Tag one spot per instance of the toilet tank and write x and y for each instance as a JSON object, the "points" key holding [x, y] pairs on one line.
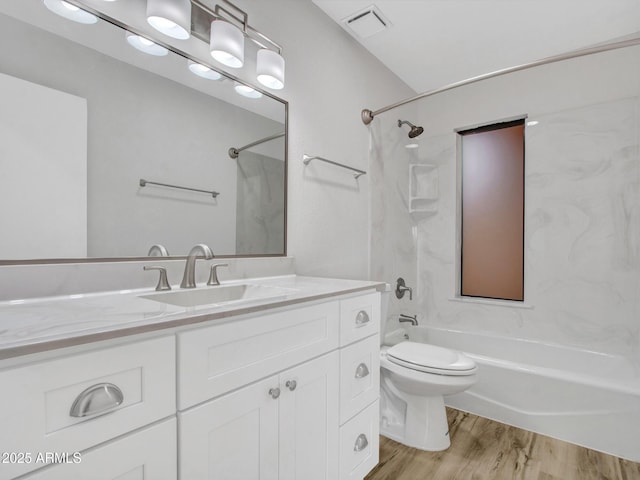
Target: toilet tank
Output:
{"points": [[384, 310]]}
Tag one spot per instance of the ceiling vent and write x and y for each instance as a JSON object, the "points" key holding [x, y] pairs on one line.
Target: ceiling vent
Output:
{"points": [[367, 22]]}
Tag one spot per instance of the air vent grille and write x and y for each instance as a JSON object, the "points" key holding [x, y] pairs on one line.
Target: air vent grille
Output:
{"points": [[367, 22]]}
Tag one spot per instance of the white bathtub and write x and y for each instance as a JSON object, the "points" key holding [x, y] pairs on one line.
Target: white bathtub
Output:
{"points": [[587, 398]]}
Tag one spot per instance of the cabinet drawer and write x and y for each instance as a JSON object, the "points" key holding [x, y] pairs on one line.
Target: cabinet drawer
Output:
{"points": [[220, 358], [359, 444], [359, 317], [37, 399], [359, 376], [148, 454]]}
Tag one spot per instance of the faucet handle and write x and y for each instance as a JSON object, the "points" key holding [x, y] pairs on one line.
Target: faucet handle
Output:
{"points": [[213, 276], [401, 288], [163, 283]]}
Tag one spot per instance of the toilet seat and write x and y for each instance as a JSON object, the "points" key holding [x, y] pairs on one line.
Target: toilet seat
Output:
{"points": [[430, 359]]}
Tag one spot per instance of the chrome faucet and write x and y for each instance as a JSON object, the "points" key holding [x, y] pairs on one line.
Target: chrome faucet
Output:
{"points": [[189, 277], [408, 318]]}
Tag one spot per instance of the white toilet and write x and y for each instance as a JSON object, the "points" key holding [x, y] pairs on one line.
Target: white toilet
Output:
{"points": [[413, 379]]}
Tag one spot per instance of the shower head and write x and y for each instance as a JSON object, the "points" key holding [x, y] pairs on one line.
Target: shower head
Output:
{"points": [[414, 132]]}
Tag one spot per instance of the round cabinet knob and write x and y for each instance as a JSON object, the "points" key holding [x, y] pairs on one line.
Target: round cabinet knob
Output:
{"points": [[291, 385], [361, 443], [274, 392], [362, 318], [362, 370]]}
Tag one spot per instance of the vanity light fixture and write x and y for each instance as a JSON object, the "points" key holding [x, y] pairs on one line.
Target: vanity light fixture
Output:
{"points": [[270, 69], [247, 91], [203, 71], [229, 28], [70, 12], [145, 45], [227, 43], [171, 17]]}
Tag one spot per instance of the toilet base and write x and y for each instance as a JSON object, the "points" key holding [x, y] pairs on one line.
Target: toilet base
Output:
{"points": [[416, 421]]}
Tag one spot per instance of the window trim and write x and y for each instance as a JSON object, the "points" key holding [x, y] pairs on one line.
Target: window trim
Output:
{"points": [[479, 128]]}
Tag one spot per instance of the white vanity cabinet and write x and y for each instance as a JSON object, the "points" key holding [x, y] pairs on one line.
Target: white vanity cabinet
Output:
{"points": [[285, 393], [267, 397]]}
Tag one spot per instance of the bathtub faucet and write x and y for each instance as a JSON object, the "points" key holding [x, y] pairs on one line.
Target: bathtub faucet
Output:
{"points": [[408, 318]]}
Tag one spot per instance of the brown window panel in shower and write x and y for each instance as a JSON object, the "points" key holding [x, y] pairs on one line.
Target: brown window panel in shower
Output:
{"points": [[492, 254]]}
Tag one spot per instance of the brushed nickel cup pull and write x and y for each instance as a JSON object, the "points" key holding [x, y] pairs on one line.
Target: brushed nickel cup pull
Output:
{"points": [[274, 392], [361, 443], [362, 318], [291, 385], [362, 371], [99, 398]]}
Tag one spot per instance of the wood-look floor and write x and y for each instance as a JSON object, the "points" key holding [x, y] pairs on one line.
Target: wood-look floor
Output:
{"points": [[482, 449]]}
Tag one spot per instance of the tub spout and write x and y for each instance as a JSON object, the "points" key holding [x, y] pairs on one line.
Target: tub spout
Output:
{"points": [[408, 318]]}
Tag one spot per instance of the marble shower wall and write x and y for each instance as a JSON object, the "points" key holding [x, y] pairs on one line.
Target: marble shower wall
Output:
{"points": [[394, 233], [582, 206]]}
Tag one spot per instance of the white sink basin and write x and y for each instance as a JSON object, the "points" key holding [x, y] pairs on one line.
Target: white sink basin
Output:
{"points": [[222, 294]]}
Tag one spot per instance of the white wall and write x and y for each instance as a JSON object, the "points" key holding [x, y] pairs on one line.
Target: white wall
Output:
{"points": [[582, 208]]}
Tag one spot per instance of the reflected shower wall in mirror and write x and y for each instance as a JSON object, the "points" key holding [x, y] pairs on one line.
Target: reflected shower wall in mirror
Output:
{"points": [[86, 127]]}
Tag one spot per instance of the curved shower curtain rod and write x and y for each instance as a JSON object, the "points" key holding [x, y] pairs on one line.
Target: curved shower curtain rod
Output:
{"points": [[368, 115], [234, 152]]}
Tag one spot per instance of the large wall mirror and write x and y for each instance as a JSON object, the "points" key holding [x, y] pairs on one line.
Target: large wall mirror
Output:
{"points": [[96, 139]]}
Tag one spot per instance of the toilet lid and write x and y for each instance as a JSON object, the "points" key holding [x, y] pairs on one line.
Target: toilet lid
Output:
{"points": [[431, 359]]}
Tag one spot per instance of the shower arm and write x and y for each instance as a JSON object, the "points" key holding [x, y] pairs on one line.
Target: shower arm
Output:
{"points": [[368, 115]]}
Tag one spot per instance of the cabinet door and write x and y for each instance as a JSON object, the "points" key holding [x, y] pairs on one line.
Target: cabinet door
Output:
{"points": [[148, 454], [234, 437], [309, 420]]}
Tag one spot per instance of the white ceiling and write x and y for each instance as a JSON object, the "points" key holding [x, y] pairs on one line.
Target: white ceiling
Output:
{"points": [[432, 43]]}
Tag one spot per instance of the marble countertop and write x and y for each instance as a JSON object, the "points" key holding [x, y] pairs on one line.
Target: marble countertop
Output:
{"points": [[41, 324]]}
